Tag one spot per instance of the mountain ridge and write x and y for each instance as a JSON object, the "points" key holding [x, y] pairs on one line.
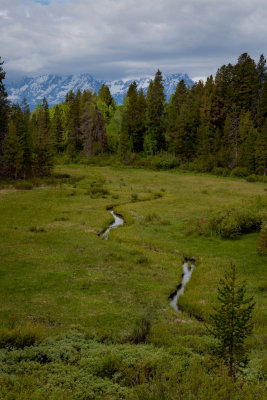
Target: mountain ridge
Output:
{"points": [[55, 87]]}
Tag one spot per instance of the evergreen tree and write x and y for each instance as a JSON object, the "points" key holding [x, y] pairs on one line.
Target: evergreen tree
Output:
{"points": [[4, 107], [246, 84], [231, 322], [247, 136], [13, 153], [43, 143], [93, 131], [155, 113], [262, 71], [57, 128], [73, 124], [261, 150]]}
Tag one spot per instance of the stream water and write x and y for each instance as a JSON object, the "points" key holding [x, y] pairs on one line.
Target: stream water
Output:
{"points": [[118, 221], [187, 272]]}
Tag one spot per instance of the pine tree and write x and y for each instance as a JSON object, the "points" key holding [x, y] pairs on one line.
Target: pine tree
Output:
{"points": [[4, 107], [261, 150], [57, 128], [73, 124], [93, 131], [13, 153], [231, 322], [262, 71], [43, 143], [247, 137], [155, 113]]}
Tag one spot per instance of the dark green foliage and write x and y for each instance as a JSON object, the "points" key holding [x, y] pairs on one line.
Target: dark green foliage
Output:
{"points": [[262, 246], [231, 322], [4, 107], [93, 130], [43, 153], [228, 223], [155, 99]]}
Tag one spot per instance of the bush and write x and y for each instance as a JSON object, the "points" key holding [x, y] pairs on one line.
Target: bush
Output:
{"points": [[142, 329], [262, 247], [228, 223], [252, 178], [233, 222], [134, 197], [23, 185], [20, 336], [239, 172], [37, 229], [97, 189], [220, 171]]}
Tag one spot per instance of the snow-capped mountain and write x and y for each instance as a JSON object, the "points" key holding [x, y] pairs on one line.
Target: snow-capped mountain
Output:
{"points": [[54, 87]]}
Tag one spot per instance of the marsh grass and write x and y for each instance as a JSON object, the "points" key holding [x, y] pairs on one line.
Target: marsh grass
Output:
{"points": [[68, 276]]}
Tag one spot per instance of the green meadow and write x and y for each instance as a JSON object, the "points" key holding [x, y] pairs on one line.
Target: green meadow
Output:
{"points": [[60, 281]]}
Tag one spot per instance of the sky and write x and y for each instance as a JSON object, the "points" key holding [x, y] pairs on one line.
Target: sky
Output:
{"points": [[113, 39]]}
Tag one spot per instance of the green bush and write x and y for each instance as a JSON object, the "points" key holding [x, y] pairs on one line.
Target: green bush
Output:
{"points": [[23, 185], [220, 171], [262, 246], [228, 223], [239, 172], [20, 336], [252, 178]]}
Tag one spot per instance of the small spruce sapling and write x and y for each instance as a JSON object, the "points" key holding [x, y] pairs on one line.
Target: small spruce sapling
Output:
{"points": [[231, 322]]}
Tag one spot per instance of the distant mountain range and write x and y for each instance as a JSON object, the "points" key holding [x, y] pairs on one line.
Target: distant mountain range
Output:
{"points": [[55, 87]]}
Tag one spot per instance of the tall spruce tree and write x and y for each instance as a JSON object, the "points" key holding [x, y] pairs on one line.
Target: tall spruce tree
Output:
{"points": [[43, 143], [155, 113], [261, 150], [4, 106], [231, 322], [13, 153]]}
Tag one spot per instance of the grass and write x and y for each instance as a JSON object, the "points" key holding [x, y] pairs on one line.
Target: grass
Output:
{"points": [[55, 272]]}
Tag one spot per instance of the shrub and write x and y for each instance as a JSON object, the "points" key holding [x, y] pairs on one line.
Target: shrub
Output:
{"points": [[142, 329], [152, 218], [134, 197], [220, 171], [23, 185], [252, 178], [97, 189], [37, 229], [233, 222], [262, 246], [228, 223], [20, 336], [239, 172]]}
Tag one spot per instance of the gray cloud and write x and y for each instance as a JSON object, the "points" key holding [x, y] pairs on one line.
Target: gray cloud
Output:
{"points": [[120, 38]]}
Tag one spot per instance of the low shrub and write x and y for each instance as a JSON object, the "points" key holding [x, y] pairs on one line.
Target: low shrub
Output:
{"points": [[228, 223], [37, 229], [23, 185], [20, 336], [134, 197], [252, 178], [262, 246], [152, 218], [239, 172], [97, 189], [142, 329], [220, 171]]}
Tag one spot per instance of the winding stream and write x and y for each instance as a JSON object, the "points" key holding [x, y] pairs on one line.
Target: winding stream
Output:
{"points": [[187, 268], [187, 272], [118, 221]]}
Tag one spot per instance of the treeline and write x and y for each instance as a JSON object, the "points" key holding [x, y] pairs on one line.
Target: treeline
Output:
{"points": [[220, 125]]}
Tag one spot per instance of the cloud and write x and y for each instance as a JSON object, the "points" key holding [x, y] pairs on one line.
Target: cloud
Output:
{"points": [[119, 38]]}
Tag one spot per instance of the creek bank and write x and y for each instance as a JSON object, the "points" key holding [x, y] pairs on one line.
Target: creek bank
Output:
{"points": [[186, 276], [118, 221]]}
